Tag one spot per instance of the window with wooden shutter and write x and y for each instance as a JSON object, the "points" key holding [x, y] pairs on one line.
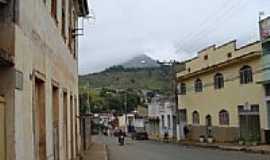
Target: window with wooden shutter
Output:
{"points": [[54, 10]]}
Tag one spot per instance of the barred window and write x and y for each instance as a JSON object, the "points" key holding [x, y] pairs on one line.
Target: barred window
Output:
{"points": [[224, 118], [198, 85], [246, 75], [219, 81], [195, 117]]}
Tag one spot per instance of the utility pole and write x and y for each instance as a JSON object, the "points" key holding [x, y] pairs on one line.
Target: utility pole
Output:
{"points": [[126, 112]]}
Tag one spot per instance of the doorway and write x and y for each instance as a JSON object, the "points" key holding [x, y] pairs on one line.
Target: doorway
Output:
{"points": [[65, 125], [267, 132], [40, 120], [182, 123], [249, 122], [2, 129], [71, 127], [208, 123], [55, 104]]}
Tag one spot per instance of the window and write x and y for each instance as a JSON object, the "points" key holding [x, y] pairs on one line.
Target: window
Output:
{"points": [[169, 121], [206, 57], [229, 55], [218, 81], [162, 121], [195, 117], [198, 85], [267, 90], [54, 9], [246, 75], [182, 88], [224, 118], [64, 19]]}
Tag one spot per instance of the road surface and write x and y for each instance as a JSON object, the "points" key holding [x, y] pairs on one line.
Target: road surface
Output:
{"points": [[149, 150]]}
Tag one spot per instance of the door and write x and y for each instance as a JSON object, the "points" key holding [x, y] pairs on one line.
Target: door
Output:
{"points": [[268, 113], [2, 129], [40, 120], [267, 132], [71, 127], [65, 124], [55, 104], [208, 121], [249, 121], [182, 123]]}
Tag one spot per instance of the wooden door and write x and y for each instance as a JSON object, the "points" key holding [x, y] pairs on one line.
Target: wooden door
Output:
{"points": [[55, 104], [72, 127], [2, 130], [40, 120], [65, 120]]}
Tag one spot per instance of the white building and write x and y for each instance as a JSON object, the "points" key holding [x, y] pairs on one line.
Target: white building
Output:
{"points": [[161, 117]]}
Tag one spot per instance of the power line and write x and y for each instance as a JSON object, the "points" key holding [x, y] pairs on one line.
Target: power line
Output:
{"points": [[222, 16]]}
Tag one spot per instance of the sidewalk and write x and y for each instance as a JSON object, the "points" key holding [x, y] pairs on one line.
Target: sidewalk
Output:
{"points": [[96, 152], [262, 149]]}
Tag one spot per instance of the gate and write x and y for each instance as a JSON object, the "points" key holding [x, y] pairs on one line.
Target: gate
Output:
{"points": [[2, 129], [249, 120]]}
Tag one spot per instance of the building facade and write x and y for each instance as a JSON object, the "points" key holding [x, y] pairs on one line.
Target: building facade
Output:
{"points": [[39, 79], [221, 95], [161, 117]]}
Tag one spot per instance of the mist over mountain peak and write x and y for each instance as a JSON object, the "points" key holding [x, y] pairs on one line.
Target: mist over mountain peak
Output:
{"points": [[140, 61]]}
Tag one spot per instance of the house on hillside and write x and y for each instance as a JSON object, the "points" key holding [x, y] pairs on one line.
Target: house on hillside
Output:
{"points": [[39, 79]]}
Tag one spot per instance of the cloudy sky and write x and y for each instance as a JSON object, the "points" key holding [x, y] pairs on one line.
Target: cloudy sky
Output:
{"points": [[164, 29]]}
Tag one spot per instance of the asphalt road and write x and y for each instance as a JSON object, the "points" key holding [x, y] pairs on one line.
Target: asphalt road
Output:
{"points": [[149, 150]]}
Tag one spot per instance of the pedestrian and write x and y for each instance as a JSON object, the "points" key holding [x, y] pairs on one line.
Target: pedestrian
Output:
{"points": [[186, 131]]}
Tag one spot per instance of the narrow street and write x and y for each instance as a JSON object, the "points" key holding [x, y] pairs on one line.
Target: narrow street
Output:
{"points": [[149, 150]]}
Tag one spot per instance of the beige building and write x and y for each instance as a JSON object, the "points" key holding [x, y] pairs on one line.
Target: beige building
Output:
{"points": [[221, 95], [39, 79]]}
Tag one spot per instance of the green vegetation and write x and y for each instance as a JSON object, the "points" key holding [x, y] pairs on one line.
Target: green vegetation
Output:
{"points": [[118, 77], [118, 87], [108, 100]]}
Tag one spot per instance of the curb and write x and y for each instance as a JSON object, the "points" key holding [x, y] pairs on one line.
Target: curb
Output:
{"points": [[220, 147], [106, 152]]}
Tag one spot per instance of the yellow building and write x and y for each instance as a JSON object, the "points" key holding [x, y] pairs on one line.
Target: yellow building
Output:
{"points": [[220, 94]]}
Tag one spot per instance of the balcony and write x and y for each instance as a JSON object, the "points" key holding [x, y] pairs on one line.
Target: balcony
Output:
{"points": [[5, 59]]}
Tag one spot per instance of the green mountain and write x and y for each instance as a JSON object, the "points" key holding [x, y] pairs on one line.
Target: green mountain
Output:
{"points": [[119, 77]]}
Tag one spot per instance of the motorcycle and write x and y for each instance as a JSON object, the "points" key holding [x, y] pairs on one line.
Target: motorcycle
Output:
{"points": [[121, 140]]}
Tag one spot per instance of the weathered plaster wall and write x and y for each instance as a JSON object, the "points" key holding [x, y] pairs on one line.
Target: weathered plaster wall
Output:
{"points": [[39, 47]]}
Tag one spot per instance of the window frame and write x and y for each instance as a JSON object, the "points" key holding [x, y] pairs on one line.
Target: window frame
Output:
{"points": [[218, 81], [182, 88], [224, 117], [198, 85], [195, 118], [54, 10], [246, 75]]}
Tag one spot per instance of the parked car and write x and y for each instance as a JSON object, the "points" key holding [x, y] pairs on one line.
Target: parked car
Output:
{"points": [[139, 136]]}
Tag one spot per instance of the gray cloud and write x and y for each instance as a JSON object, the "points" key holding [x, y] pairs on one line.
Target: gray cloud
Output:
{"points": [[164, 29]]}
